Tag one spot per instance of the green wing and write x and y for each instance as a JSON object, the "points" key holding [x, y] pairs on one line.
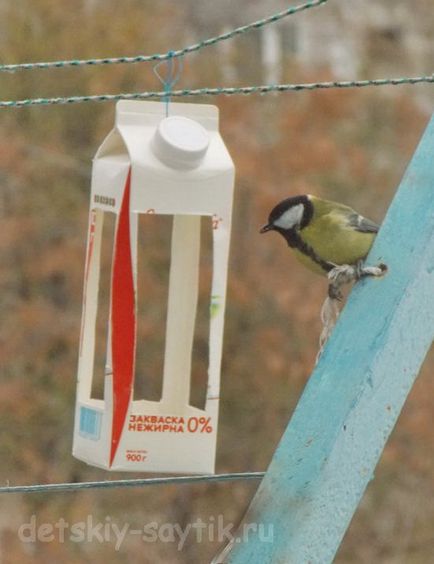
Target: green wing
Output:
{"points": [[346, 217], [360, 223], [350, 218]]}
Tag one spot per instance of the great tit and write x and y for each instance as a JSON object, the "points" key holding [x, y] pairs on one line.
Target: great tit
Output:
{"points": [[323, 234]]}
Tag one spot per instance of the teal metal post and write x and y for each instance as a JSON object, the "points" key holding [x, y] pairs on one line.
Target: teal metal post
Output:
{"points": [[349, 407]]}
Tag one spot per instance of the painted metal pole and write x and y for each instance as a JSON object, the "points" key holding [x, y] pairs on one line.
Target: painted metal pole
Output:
{"points": [[350, 405]]}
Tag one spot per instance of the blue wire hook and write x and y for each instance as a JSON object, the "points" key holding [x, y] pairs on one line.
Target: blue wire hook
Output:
{"points": [[171, 77]]}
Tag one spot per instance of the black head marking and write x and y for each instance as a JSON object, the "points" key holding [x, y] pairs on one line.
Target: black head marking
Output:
{"points": [[288, 203], [292, 235]]}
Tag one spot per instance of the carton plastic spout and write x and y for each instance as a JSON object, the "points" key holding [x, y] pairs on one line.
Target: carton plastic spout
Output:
{"points": [[180, 142]]}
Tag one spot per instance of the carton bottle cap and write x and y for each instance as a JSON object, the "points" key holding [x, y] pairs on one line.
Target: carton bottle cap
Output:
{"points": [[180, 142]]}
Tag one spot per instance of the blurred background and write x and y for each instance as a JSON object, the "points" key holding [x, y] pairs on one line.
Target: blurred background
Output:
{"points": [[350, 145]]}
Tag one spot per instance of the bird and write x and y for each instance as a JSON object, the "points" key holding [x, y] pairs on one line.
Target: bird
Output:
{"points": [[323, 234]]}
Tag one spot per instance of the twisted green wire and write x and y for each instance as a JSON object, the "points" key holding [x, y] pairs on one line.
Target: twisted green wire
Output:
{"points": [[246, 90], [164, 56]]}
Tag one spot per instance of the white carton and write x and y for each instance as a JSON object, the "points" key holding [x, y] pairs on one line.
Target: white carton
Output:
{"points": [[175, 165]]}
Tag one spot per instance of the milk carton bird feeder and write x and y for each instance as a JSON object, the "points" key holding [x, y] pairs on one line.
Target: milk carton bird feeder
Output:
{"points": [[179, 166]]}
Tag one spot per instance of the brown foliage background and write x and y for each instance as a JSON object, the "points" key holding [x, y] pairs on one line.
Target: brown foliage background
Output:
{"points": [[351, 146]]}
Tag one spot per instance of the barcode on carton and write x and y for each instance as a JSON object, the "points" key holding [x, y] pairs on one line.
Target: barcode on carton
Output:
{"points": [[90, 423]]}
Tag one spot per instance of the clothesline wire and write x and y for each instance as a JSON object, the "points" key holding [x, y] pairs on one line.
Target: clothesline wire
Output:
{"points": [[140, 482], [227, 91], [169, 54]]}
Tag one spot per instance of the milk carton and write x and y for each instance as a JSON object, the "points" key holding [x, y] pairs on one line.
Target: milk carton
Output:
{"points": [[176, 165]]}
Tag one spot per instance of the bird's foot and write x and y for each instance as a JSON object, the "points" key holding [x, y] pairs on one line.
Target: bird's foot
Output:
{"points": [[346, 273], [362, 271], [338, 277]]}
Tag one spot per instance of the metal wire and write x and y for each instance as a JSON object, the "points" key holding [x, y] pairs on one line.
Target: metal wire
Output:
{"points": [[164, 56], [246, 90], [141, 482]]}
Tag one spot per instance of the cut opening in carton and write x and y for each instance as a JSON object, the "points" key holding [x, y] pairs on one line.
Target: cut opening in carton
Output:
{"points": [[200, 355], [153, 264], [153, 268], [102, 319]]}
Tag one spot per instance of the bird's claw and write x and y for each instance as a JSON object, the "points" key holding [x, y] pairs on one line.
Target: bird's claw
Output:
{"points": [[363, 271]]}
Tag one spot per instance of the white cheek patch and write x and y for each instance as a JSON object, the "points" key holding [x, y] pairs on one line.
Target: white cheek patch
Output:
{"points": [[291, 218]]}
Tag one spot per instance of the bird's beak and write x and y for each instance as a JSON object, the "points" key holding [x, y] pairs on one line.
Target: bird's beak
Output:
{"points": [[267, 227]]}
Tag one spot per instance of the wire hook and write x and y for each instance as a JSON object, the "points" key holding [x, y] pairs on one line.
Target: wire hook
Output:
{"points": [[172, 76]]}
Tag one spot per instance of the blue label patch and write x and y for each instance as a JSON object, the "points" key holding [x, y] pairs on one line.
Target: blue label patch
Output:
{"points": [[90, 423]]}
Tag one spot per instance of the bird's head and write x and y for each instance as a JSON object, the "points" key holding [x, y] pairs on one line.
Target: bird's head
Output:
{"points": [[290, 215]]}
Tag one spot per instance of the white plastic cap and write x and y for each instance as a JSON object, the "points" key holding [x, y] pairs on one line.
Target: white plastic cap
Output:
{"points": [[180, 142]]}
